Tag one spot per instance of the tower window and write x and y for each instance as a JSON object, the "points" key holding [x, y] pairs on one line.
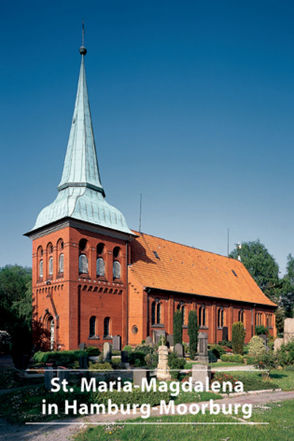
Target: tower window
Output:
{"points": [[60, 263], [116, 252], [41, 269], [100, 267], [82, 244], [83, 264], [92, 326], [50, 269], [100, 248], [107, 327], [116, 270]]}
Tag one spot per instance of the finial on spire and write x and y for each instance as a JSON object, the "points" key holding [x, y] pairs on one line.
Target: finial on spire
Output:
{"points": [[83, 50]]}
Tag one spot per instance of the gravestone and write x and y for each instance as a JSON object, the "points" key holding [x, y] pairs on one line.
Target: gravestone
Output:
{"points": [[107, 351], [202, 348], [82, 346], [63, 373], [124, 360], [288, 330], [83, 361], [179, 350], [170, 340], [200, 372], [149, 340], [162, 371], [264, 338], [225, 333], [138, 375], [277, 344], [48, 375], [116, 343], [157, 334]]}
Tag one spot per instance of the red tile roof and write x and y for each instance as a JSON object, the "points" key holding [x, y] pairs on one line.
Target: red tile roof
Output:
{"points": [[162, 264]]}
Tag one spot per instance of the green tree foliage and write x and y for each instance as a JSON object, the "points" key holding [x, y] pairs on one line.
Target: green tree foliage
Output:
{"points": [[287, 288], [16, 309], [262, 267], [238, 337], [193, 333], [178, 327]]}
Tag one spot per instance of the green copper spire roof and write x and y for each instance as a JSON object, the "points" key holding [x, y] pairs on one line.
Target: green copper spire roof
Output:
{"points": [[80, 192]]}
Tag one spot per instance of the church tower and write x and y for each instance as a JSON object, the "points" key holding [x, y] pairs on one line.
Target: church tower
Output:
{"points": [[80, 247]]}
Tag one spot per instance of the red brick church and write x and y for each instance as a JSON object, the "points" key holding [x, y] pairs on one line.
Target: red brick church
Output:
{"points": [[94, 278]]}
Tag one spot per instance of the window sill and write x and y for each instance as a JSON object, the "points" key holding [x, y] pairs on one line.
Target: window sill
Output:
{"points": [[59, 276], [203, 327], [107, 337], [94, 337], [159, 325], [185, 327]]}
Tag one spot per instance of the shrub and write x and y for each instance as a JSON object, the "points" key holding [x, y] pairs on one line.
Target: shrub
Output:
{"points": [[100, 366], [175, 362], [193, 333], [92, 351], [233, 358], [128, 348], [225, 343], [178, 327], [238, 337], [222, 376], [137, 358], [151, 360], [59, 358], [261, 330], [211, 357], [250, 360], [286, 354], [218, 350], [256, 346], [145, 349], [267, 361]]}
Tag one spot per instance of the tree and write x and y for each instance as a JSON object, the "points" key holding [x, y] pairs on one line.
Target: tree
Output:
{"points": [[193, 333], [287, 288], [238, 337], [262, 267], [178, 327]]}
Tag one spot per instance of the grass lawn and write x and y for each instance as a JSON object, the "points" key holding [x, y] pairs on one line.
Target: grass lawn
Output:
{"points": [[279, 416], [283, 379]]}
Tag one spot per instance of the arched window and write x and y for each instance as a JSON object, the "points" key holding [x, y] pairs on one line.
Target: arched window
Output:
{"points": [[60, 263], [202, 316], [158, 313], [41, 269], [116, 270], [60, 244], [83, 244], [107, 327], [220, 318], [153, 310], [241, 316], [83, 264], [116, 252], [50, 268], [100, 267], [92, 326], [100, 248]]}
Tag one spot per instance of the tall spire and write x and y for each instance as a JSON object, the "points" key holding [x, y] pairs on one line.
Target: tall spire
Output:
{"points": [[80, 165], [80, 192]]}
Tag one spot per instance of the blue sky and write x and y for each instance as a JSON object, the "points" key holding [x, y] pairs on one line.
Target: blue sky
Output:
{"points": [[192, 105]]}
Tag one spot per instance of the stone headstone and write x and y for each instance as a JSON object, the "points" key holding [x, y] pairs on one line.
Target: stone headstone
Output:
{"points": [[157, 334], [203, 348], [138, 375], [288, 330], [107, 351], [149, 340], [179, 350], [124, 360], [170, 340], [277, 344], [200, 372], [116, 343], [82, 346], [83, 361], [264, 338], [162, 371], [225, 333], [48, 375], [62, 373]]}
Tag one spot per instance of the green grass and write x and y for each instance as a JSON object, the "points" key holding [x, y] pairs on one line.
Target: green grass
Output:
{"points": [[283, 379], [279, 416], [225, 364]]}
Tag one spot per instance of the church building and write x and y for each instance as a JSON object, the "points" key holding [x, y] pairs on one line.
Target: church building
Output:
{"points": [[93, 278]]}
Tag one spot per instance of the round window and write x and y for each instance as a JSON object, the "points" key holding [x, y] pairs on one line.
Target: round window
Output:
{"points": [[134, 329]]}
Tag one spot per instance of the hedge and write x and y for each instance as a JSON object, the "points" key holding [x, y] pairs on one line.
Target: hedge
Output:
{"points": [[233, 358], [59, 358]]}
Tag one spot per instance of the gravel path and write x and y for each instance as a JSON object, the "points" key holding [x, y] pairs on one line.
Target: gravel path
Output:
{"points": [[9, 432]]}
